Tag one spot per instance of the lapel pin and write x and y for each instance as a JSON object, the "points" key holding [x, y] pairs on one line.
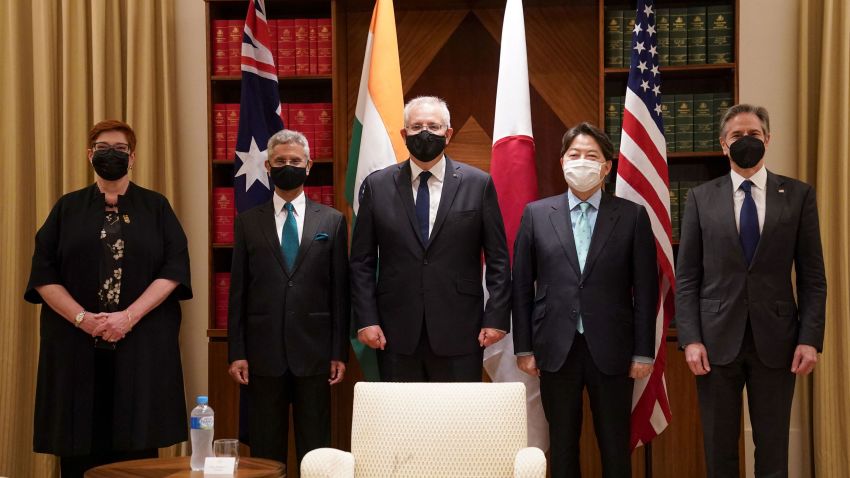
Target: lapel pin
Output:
{"points": [[126, 219], [781, 191], [454, 175]]}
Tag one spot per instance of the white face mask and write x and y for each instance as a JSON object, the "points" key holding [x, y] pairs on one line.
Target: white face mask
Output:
{"points": [[582, 175]]}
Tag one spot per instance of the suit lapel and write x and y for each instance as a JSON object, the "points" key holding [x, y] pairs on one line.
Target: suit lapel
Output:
{"points": [[606, 219], [725, 200], [312, 219], [774, 206], [451, 183], [269, 228], [561, 223], [405, 191]]}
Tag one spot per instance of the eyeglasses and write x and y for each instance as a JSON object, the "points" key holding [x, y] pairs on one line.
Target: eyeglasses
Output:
{"points": [[120, 147], [432, 127], [278, 163]]}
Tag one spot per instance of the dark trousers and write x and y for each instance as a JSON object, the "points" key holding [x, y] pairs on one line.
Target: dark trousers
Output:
{"points": [[425, 366], [770, 392], [268, 424], [102, 452], [610, 402]]}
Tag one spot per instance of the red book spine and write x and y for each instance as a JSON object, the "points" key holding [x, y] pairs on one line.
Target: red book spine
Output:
{"points": [[286, 48], [312, 111], [314, 46], [232, 129], [234, 47], [220, 131], [314, 193], [302, 47], [324, 130], [298, 119], [220, 48], [273, 24], [224, 211], [222, 293], [325, 46], [328, 196]]}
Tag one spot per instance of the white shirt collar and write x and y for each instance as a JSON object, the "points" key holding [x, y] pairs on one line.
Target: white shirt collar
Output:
{"points": [[438, 170], [759, 179], [594, 199], [300, 203]]}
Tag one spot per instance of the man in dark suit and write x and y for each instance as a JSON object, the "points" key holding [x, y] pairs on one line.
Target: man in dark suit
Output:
{"points": [[429, 219], [735, 311], [289, 307], [585, 291]]}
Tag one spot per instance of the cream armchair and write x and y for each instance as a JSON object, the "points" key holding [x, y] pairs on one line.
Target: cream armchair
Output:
{"points": [[433, 430]]}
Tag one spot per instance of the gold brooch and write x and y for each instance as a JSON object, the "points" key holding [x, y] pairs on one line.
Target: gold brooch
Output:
{"points": [[126, 219]]}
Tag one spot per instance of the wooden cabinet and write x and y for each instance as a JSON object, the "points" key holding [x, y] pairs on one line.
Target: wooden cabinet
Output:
{"points": [[450, 48]]}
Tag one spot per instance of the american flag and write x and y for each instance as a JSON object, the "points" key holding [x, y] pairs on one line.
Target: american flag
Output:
{"points": [[259, 111], [642, 177]]}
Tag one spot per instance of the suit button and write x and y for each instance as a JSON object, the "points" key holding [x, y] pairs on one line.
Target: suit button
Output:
{"points": [[574, 312], [425, 262], [291, 284], [581, 286]]}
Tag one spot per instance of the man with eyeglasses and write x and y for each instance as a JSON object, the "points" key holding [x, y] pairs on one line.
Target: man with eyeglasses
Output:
{"points": [[288, 318], [416, 253]]}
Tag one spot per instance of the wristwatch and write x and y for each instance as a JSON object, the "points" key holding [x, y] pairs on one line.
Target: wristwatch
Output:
{"points": [[79, 318]]}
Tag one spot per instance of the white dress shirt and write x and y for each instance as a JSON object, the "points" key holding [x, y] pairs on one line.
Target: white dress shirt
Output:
{"points": [[435, 187], [299, 203], [758, 191]]}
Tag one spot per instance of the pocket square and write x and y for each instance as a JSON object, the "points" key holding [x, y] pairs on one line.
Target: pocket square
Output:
{"points": [[320, 236]]}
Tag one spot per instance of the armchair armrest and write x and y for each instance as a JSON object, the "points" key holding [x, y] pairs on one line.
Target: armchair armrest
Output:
{"points": [[529, 463], [329, 463]]}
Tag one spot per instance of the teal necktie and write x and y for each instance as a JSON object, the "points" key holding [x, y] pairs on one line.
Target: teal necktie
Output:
{"points": [[582, 237], [289, 237]]}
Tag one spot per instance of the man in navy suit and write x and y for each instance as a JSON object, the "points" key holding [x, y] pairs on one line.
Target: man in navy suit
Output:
{"points": [[416, 271], [289, 312], [736, 316], [585, 291]]}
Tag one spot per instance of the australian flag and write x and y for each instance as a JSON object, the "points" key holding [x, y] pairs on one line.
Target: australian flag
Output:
{"points": [[259, 111]]}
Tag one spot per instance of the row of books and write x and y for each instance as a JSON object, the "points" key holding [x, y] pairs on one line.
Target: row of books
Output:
{"points": [[300, 46], [224, 209], [678, 198], [221, 293], [314, 120], [691, 121], [686, 36]]}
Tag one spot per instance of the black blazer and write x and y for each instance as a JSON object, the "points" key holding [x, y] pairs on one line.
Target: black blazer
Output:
{"points": [[438, 282], [616, 294], [297, 321], [149, 409], [717, 290]]}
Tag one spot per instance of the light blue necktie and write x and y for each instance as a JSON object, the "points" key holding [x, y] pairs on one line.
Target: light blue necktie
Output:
{"points": [[582, 237], [289, 237]]}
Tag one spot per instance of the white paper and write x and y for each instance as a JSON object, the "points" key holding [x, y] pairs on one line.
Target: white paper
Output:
{"points": [[219, 466]]}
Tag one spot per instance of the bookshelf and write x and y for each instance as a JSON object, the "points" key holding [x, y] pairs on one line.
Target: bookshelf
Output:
{"points": [[300, 88]]}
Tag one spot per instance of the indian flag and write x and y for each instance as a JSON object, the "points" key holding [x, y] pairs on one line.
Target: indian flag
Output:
{"points": [[375, 137], [376, 133]]}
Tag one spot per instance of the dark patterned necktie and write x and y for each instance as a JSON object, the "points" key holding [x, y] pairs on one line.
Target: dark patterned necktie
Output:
{"points": [[423, 205], [749, 223]]}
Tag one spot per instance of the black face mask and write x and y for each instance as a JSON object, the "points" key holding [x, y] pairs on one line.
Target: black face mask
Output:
{"points": [[425, 146], [288, 177], [747, 151], [110, 164]]}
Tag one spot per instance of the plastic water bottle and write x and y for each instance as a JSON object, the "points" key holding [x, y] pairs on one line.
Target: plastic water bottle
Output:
{"points": [[201, 433]]}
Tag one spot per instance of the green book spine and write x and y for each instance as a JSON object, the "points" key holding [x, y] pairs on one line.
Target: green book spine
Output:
{"points": [[674, 209], [662, 29], [704, 122], [696, 35], [613, 119], [668, 108], [722, 102], [613, 38], [628, 27], [684, 123], [684, 187], [719, 23], [678, 52]]}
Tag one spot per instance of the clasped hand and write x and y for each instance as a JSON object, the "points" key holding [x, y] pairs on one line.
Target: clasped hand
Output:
{"points": [[110, 326]]}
